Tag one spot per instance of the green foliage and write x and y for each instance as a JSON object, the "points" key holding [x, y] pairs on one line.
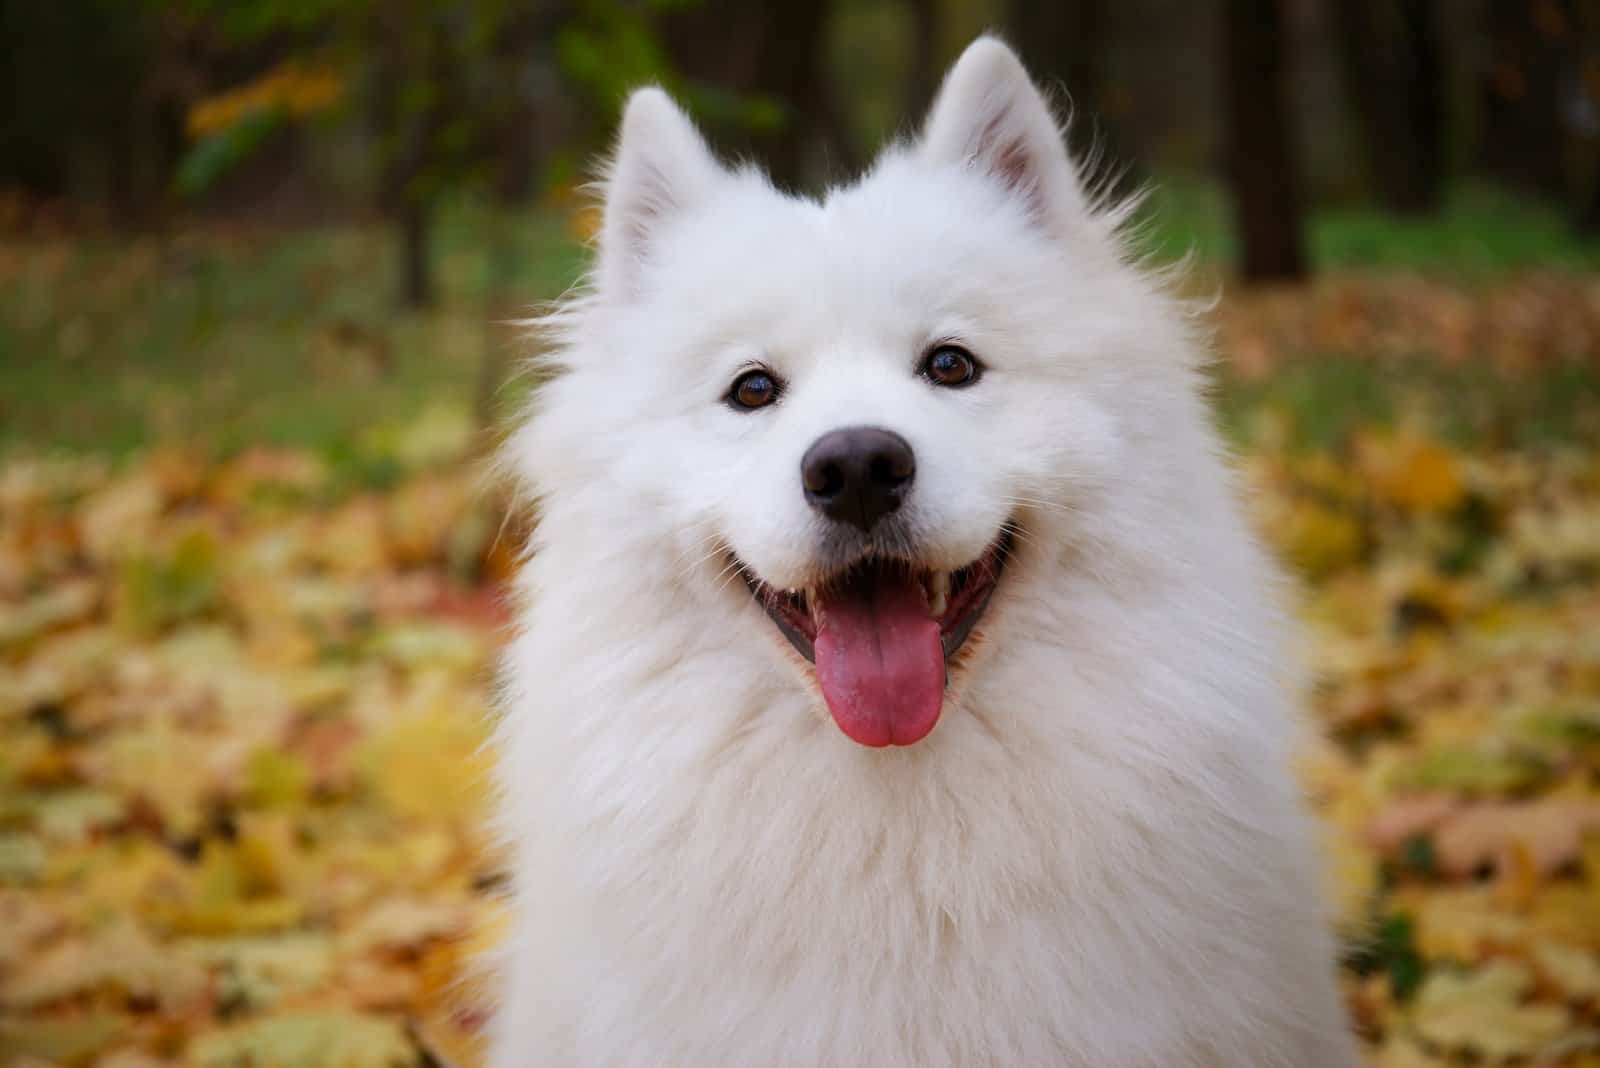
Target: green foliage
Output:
{"points": [[162, 588], [1392, 949], [215, 155], [248, 21], [438, 81], [609, 49], [1397, 953]]}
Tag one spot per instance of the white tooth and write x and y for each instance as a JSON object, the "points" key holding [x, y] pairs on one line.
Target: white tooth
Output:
{"points": [[938, 593]]}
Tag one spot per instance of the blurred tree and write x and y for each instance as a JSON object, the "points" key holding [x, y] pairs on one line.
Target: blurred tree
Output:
{"points": [[1067, 42], [1586, 109], [97, 90], [790, 69], [408, 71], [755, 74], [1522, 137], [1395, 74], [1260, 151], [451, 93], [922, 79]]}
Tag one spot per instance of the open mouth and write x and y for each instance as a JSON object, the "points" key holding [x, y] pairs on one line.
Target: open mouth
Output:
{"points": [[881, 633]]}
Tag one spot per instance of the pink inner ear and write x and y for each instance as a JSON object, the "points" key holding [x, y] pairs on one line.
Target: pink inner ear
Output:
{"points": [[1012, 162], [638, 209], [1004, 153], [648, 201]]}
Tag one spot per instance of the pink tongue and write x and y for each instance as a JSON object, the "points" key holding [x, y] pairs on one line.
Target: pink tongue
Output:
{"points": [[879, 661]]}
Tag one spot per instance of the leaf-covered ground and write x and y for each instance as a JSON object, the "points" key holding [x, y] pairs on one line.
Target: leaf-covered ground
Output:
{"points": [[242, 704]]}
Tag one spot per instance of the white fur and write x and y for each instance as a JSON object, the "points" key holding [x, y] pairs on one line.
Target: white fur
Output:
{"points": [[1099, 857]]}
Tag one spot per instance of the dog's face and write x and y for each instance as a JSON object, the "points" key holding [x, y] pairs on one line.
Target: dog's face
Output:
{"points": [[864, 407]]}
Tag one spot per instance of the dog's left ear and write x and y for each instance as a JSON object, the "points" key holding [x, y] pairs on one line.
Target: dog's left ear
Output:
{"points": [[989, 115], [661, 168]]}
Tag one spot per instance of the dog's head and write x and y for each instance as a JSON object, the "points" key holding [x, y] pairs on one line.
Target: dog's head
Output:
{"points": [[865, 407]]}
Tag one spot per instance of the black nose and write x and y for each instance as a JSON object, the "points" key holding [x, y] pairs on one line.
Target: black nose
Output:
{"points": [[858, 475]]}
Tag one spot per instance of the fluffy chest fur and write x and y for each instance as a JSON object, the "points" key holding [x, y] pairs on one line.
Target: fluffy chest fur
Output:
{"points": [[1096, 859]]}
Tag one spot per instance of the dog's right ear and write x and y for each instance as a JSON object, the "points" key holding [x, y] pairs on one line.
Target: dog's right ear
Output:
{"points": [[991, 117], [662, 166]]}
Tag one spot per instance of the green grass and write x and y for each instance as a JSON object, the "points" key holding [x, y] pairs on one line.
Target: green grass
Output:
{"points": [[226, 337], [1478, 232], [1325, 398]]}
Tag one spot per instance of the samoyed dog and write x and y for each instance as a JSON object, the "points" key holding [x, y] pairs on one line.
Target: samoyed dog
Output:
{"points": [[898, 684]]}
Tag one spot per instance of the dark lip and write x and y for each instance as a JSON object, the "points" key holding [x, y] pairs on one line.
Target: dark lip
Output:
{"points": [[971, 589]]}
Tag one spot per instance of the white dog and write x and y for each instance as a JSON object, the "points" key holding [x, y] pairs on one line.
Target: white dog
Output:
{"points": [[899, 683]]}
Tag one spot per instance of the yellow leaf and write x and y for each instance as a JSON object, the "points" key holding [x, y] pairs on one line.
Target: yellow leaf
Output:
{"points": [[422, 515], [1399, 1051], [1464, 923], [432, 761], [1545, 834], [406, 924], [60, 606], [275, 779], [1483, 1013], [1317, 539], [22, 858], [307, 1040], [259, 971], [1572, 970], [58, 1040], [121, 958], [1412, 472], [25, 922], [293, 88], [1354, 872]]}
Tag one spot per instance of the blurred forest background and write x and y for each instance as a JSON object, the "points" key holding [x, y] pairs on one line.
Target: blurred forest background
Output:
{"points": [[259, 266], [368, 160]]}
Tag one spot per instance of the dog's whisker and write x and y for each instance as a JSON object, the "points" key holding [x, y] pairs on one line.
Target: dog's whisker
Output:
{"points": [[1035, 502], [694, 565], [727, 575]]}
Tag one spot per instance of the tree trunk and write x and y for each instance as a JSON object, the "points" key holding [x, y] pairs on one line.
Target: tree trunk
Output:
{"points": [[772, 49], [409, 137], [1065, 43], [1260, 153], [791, 69], [922, 80], [1393, 64], [1429, 100], [493, 368], [416, 275], [716, 41], [1522, 136]]}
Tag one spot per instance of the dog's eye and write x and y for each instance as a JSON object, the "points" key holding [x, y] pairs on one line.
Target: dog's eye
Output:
{"points": [[951, 365], [752, 390]]}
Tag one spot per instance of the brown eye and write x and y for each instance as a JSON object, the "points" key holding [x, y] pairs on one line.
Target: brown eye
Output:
{"points": [[950, 365], [753, 389]]}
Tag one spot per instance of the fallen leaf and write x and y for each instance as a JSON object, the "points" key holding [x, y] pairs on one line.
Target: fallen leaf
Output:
{"points": [[307, 1040], [1483, 1013]]}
